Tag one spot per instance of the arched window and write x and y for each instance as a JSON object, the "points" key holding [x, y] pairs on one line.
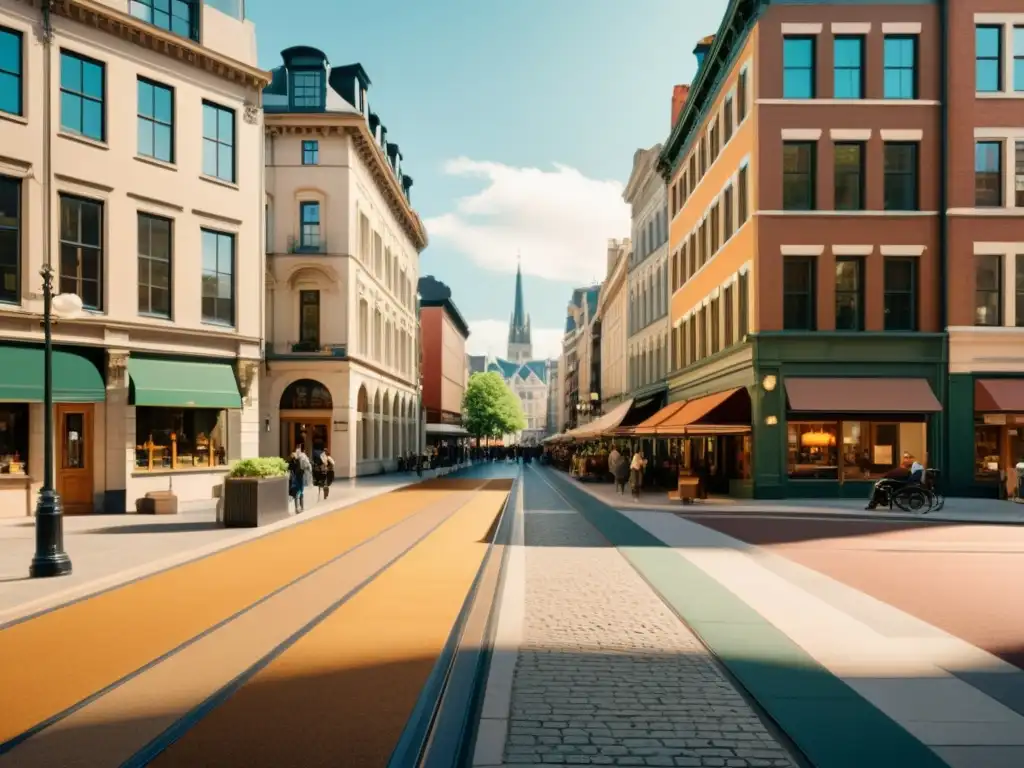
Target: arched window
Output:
{"points": [[306, 394]]}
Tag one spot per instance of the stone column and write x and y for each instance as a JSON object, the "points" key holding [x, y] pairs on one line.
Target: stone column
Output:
{"points": [[119, 419], [244, 439]]}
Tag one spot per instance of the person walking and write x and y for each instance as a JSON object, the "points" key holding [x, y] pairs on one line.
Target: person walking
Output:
{"points": [[636, 473], [300, 470], [619, 468], [326, 472]]}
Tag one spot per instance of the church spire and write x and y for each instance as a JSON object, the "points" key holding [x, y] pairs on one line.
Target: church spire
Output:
{"points": [[519, 342]]}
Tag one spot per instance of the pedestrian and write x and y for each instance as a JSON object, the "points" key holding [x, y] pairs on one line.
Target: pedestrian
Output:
{"points": [[636, 473], [326, 472], [299, 474], [619, 468]]}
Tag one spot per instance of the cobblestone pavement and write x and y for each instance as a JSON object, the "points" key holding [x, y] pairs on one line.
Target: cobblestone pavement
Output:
{"points": [[607, 675]]}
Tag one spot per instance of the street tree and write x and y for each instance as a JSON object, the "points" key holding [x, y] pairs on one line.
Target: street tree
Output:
{"points": [[489, 407]]}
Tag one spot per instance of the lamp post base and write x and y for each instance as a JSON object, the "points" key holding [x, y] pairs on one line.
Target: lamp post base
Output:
{"points": [[50, 558]]}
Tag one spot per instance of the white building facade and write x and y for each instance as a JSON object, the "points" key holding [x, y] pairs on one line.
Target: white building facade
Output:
{"points": [[343, 242], [129, 163]]}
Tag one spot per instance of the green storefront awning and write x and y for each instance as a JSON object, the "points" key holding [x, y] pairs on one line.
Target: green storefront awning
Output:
{"points": [[75, 379], [181, 384]]}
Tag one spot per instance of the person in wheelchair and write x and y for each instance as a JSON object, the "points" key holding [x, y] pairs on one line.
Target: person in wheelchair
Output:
{"points": [[909, 472]]}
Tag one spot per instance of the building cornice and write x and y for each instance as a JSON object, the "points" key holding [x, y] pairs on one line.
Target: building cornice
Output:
{"points": [[355, 126], [103, 17], [643, 169]]}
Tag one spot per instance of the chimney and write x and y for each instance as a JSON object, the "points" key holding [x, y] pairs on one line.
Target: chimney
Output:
{"points": [[702, 48], [679, 96]]}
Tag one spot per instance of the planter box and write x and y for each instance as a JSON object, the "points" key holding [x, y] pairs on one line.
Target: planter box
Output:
{"points": [[157, 503], [250, 502]]}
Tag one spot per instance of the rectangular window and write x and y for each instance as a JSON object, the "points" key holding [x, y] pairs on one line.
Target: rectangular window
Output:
{"points": [[848, 62], [11, 94], [798, 188], [900, 298], [218, 142], [727, 213], [218, 277], [307, 89], [14, 438], [715, 144], [741, 97], [900, 67], [1018, 59], [849, 177], [702, 332], [311, 152], [798, 67], [988, 59], [81, 250], [154, 265], [849, 294], [1019, 289], [180, 438], [693, 261], [715, 326], [900, 168], [178, 16], [81, 96], [799, 293], [1018, 176], [715, 231], [850, 450], [156, 120], [694, 178], [728, 304], [310, 215], [693, 350], [703, 156], [743, 209], [10, 239], [727, 117], [309, 318], [743, 305], [988, 174], [988, 290]]}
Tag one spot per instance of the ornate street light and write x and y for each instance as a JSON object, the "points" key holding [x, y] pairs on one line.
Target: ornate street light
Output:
{"points": [[50, 558]]}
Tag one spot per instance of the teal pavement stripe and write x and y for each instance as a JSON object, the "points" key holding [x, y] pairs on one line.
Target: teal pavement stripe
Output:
{"points": [[833, 725]]}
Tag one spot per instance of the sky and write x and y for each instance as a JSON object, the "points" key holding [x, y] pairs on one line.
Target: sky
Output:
{"points": [[518, 121]]}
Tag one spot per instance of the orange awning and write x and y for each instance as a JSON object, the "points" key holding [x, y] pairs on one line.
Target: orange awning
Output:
{"points": [[999, 395], [861, 395], [648, 426], [684, 421]]}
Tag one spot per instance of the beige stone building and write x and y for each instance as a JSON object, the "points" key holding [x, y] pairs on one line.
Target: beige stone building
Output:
{"points": [[580, 395], [612, 313], [343, 243], [130, 148]]}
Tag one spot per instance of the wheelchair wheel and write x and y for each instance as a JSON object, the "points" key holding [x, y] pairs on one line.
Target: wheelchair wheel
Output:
{"points": [[915, 500], [938, 501]]}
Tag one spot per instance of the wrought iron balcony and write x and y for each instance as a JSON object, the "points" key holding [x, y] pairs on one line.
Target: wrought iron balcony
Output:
{"points": [[291, 350], [307, 245]]}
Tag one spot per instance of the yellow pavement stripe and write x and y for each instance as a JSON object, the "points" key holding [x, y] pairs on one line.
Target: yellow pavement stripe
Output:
{"points": [[343, 693], [52, 662]]}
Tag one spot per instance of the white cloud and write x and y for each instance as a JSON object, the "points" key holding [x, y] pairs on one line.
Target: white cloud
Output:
{"points": [[558, 220], [490, 337]]}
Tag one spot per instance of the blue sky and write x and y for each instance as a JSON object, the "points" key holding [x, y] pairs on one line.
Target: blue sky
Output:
{"points": [[517, 120]]}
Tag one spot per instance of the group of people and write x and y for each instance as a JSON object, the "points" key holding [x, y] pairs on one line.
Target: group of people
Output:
{"points": [[303, 471], [629, 470]]}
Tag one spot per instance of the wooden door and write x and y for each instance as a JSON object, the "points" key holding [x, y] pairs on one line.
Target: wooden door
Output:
{"points": [[313, 434], [74, 440]]}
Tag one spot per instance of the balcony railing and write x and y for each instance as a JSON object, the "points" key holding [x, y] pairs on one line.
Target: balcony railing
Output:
{"points": [[308, 245], [283, 350]]}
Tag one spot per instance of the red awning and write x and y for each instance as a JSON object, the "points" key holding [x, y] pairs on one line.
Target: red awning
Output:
{"points": [[861, 395], [999, 395]]}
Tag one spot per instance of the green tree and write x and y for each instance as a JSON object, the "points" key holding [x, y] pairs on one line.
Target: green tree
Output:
{"points": [[489, 407]]}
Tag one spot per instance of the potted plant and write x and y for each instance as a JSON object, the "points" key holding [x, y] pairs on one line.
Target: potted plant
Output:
{"points": [[256, 493]]}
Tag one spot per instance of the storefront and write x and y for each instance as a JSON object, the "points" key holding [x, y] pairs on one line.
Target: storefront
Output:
{"points": [[78, 395], [986, 433], [447, 444]]}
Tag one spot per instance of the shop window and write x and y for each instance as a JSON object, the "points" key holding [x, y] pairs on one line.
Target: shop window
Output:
{"points": [[13, 439], [811, 451], [988, 457], [180, 438]]}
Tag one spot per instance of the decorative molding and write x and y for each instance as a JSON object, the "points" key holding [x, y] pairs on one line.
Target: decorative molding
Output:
{"points": [[216, 217], [248, 372], [849, 102], [901, 250], [1005, 133], [154, 202], [850, 134], [251, 114], [801, 250], [94, 185], [98, 15], [850, 27], [852, 250], [801, 134], [901, 27], [792, 28], [117, 369], [889, 134]]}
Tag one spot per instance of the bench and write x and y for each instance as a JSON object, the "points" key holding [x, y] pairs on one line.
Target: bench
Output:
{"points": [[686, 490]]}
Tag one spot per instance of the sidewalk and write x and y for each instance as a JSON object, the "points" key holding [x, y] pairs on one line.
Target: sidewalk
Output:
{"points": [[956, 509], [107, 550]]}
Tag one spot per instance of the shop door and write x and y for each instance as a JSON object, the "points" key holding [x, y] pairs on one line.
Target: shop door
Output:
{"points": [[314, 435], [74, 457]]}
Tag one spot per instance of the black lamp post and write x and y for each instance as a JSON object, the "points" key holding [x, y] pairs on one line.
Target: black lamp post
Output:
{"points": [[50, 558]]}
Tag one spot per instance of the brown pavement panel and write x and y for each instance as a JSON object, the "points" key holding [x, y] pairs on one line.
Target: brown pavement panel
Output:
{"points": [[112, 728], [54, 661], [959, 578], [343, 693]]}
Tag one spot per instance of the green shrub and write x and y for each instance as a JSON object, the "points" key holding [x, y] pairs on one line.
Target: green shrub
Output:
{"points": [[264, 466]]}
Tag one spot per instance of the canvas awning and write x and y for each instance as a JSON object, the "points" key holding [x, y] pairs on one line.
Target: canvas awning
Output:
{"points": [[75, 379], [602, 424], [999, 395], [446, 430], [861, 395], [649, 426], [686, 420], [183, 383]]}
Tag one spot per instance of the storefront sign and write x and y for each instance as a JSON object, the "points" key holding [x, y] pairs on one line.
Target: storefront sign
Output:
{"points": [[341, 426], [995, 418]]}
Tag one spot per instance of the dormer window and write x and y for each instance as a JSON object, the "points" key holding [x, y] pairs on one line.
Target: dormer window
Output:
{"points": [[307, 89], [181, 17]]}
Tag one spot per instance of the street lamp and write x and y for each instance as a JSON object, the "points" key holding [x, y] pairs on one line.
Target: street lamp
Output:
{"points": [[50, 558]]}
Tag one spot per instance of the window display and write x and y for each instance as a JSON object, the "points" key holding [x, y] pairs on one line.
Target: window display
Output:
{"points": [[13, 439], [180, 438], [866, 451]]}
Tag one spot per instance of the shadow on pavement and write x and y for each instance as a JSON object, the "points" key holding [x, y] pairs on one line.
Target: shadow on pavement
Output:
{"points": [[182, 526]]}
